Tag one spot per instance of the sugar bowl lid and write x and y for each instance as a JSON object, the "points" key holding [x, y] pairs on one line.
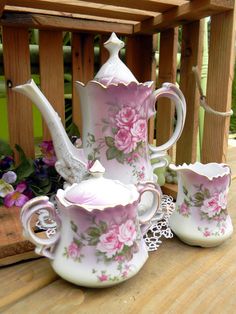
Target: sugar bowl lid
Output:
{"points": [[99, 192], [114, 70]]}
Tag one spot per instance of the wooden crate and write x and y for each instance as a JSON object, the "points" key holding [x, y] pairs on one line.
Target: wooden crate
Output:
{"points": [[140, 22]]}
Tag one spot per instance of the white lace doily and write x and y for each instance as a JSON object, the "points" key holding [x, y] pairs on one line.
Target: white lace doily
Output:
{"points": [[158, 226]]}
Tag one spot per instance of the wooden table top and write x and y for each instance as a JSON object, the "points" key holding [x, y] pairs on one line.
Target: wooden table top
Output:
{"points": [[177, 278]]}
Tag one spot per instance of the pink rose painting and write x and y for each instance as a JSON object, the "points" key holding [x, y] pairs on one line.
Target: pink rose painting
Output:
{"points": [[109, 243], [124, 138], [73, 251], [113, 243], [124, 141], [211, 206], [127, 233], [125, 118], [184, 209]]}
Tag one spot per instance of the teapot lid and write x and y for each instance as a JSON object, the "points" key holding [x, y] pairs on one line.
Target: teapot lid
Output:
{"points": [[100, 192], [114, 70]]}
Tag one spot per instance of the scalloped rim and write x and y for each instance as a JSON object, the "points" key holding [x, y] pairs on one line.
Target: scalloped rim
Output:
{"points": [[147, 84], [195, 167]]}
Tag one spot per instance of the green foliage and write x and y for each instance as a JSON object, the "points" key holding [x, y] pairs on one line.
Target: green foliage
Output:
{"points": [[5, 149], [233, 117], [26, 166]]}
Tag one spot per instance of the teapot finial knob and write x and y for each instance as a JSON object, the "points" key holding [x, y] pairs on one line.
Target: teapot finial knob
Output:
{"points": [[97, 170], [114, 44]]}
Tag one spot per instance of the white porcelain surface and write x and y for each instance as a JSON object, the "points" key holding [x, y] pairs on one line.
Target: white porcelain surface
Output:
{"points": [[201, 216]]}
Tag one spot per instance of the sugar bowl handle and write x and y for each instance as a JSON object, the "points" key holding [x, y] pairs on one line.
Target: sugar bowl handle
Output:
{"points": [[146, 217], [43, 246]]}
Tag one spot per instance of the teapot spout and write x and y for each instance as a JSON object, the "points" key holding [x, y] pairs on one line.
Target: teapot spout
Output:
{"points": [[71, 162]]}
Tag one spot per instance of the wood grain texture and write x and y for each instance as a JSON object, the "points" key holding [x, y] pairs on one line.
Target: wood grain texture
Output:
{"points": [[12, 241], [167, 73], [51, 72], [219, 86], [2, 5], [187, 12], [55, 21], [17, 70], [85, 7], [138, 59], [156, 6], [191, 55], [23, 279], [13, 259], [77, 75]]}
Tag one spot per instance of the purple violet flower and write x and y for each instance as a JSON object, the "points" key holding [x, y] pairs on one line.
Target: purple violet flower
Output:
{"points": [[16, 197], [49, 156], [6, 162], [9, 177]]}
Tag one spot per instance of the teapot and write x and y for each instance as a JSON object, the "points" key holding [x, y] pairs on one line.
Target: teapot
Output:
{"points": [[201, 216], [115, 111], [99, 238]]}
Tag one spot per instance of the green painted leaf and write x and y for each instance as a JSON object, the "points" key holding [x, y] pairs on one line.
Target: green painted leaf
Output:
{"points": [[185, 190], [199, 196], [77, 242], [112, 153], [103, 226], [109, 141], [120, 158], [94, 232], [73, 226]]}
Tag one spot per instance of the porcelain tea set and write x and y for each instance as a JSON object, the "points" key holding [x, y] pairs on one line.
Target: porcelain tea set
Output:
{"points": [[111, 195]]}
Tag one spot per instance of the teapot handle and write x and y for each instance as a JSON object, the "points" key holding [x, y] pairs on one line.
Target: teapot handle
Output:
{"points": [[172, 92], [145, 218], [43, 246]]}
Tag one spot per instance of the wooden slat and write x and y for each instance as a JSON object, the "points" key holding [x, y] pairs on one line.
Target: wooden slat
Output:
{"points": [[2, 5], [70, 22], [13, 259], [141, 62], [67, 299], [167, 73], [23, 279], [51, 72], [88, 58], [219, 85], [83, 7], [17, 70], [190, 11], [77, 75], [191, 55], [138, 58], [149, 5], [170, 189], [12, 9], [12, 241]]}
